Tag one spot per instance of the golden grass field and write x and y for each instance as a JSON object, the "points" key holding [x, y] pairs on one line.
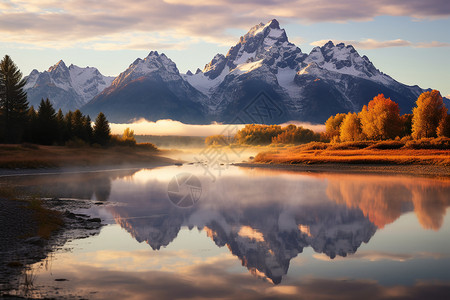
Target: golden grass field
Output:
{"points": [[299, 155]]}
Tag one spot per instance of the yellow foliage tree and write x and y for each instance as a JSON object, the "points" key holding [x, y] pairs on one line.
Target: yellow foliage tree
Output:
{"points": [[351, 128], [444, 127], [332, 125], [380, 119], [428, 113]]}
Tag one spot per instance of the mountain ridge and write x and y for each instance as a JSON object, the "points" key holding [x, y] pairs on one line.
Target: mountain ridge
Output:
{"points": [[67, 88], [305, 87]]}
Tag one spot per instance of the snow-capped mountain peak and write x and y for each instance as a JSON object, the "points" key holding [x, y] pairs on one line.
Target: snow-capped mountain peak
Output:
{"points": [[154, 64], [67, 88], [344, 59]]}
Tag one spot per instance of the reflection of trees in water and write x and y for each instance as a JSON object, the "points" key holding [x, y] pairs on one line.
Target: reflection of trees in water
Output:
{"points": [[78, 186], [384, 199]]}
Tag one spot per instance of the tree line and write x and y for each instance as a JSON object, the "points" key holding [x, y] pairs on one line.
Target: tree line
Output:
{"points": [[381, 120], [256, 134], [21, 123]]}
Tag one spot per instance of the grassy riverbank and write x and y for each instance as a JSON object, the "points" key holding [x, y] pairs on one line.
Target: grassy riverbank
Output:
{"points": [[388, 153], [33, 157]]}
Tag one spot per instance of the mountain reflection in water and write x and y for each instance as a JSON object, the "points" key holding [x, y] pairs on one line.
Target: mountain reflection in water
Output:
{"points": [[266, 218]]}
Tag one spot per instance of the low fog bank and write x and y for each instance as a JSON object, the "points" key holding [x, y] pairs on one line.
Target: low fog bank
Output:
{"points": [[176, 128]]}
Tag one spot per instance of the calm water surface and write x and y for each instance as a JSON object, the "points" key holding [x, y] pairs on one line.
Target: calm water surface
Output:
{"points": [[252, 233]]}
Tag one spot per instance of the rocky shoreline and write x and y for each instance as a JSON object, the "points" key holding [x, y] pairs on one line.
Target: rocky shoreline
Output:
{"points": [[19, 250]]}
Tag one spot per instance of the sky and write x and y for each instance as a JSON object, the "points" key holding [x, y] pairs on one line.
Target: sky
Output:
{"points": [[406, 39]]}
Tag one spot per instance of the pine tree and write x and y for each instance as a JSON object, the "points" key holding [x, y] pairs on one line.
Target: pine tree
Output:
{"points": [[13, 101], [87, 129], [68, 126], [61, 126], [31, 126], [47, 125], [428, 113], [77, 124], [102, 132]]}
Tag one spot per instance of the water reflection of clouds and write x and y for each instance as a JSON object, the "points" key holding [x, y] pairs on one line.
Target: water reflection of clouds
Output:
{"points": [[213, 280], [380, 255], [267, 217]]}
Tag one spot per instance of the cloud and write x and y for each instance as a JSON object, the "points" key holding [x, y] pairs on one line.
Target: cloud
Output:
{"points": [[374, 44], [433, 44], [378, 256], [59, 24]]}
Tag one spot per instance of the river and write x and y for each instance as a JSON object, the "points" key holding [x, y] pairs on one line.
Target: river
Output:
{"points": [[242, 233]]}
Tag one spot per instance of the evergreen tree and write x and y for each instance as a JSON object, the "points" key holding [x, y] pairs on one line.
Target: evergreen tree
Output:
{"points": [[87, 129], [77, 124], [31, 126], [68, 126], [61, 127], [47, 125], [102, 132], [13, 101]]}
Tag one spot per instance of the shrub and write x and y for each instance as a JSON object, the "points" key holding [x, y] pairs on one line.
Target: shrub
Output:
{"points": [[351, 145], [387, 145]]}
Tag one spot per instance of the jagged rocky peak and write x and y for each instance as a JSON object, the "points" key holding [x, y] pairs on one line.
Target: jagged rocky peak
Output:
{"points": [[60, 65], [189, 73], [154, 64], [343, 59], [267, 43]]}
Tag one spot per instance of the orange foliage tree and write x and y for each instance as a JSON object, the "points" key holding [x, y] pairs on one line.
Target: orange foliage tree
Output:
{"points": [[380, 119], [332, 126], [444, 127], [292, 134], [428, 113], [351, 128]]}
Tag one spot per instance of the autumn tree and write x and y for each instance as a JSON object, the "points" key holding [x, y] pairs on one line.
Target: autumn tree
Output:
{"points": [[255, 134], [350, 129], [292, 134], [428, 113], [444, 127], [332, 126], [218, 140], [380, 119], [406, 121], [102, 131], [128, 137], [13, 101]]}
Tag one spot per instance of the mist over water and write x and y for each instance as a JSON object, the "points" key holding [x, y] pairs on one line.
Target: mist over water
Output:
{"points": [[171, 127]]}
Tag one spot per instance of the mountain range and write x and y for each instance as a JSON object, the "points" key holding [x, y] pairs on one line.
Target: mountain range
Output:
{"points": [[68, 88], [264, 78]]}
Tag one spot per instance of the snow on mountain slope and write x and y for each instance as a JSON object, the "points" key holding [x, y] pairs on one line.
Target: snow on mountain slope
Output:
{"points": [[66, 87], [150, 88], [151, 65], [344, 59]]}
